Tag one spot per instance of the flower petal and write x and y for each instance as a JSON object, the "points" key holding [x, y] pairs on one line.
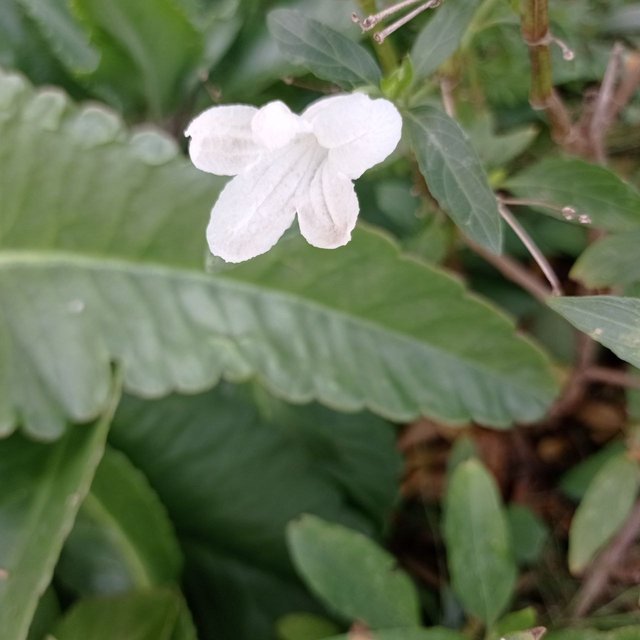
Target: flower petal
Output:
{"points": [[222, 140], [360, 132], [327, 208], [258, 206], [274, 126]]}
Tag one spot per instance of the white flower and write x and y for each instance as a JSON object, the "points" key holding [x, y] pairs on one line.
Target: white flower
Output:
{"points": [[286, 164]]}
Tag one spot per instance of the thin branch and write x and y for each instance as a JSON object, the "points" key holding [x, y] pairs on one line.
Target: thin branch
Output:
{"points": [[576, 385], [602, 113], [603, 566], [614, 377], [532, 248], [514, 271]]}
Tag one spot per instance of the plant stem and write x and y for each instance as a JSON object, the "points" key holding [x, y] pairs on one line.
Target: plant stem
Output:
{"points": [[535, 32], [532, 248], [385, 50]]}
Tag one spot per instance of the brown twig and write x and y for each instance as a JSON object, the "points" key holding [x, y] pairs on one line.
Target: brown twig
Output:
{"points": [[514, 271], [603, 566], [576, 385], [532, 248], [615, 377]]}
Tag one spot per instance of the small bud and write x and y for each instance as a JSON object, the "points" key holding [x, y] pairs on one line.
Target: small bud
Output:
{"points": [[568, 213], [567, 52], [583, 218]]}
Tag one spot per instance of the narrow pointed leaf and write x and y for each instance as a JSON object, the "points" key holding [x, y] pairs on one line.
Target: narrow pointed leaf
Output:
{"points": [[441, 36], [592, 190], [483, 571], [42, 489], [603, 510], [454, 175], [325, 52], [352, 575], [610, 320]]}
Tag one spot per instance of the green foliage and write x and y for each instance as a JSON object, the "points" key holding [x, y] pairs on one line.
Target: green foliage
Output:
{"points": [[43, 487], [603, 510], [441, 36], [325, 52], [610, 320], [122, 538], [454, 175], [479, 551], [610, 261], [146, 615], [352, 575], [591, 190], [191, 524]]}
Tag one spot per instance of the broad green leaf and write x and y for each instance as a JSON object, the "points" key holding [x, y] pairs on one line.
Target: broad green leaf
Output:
{"points": [[612, 321], [305, 626], [108, 269], [480, 559], [45, 616], [528, 534], [522, 620], [441, 36], [352, 575], [325, 52], [42, 489], [575, 482], [147, 50], [63, 33], [145, 615], [591, 190], [432, 633], [454, 175], [603, 510], [219, 462], [122, 539], [612, 260]]}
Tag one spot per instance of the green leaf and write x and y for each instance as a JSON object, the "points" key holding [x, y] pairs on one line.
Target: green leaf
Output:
{"points": [[454, 175], [432, 633], [108, 269], [325, 52], [63, 33], [612, 321], [612, 260], [590, 189], [441, 36], [219, 462], [305, 626], [147, 50], [480, 559], [575, 482], [43, 487], [146, 615], [352, 575], [122, 538], [514, 622], [528, 534], [603, 510]]}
